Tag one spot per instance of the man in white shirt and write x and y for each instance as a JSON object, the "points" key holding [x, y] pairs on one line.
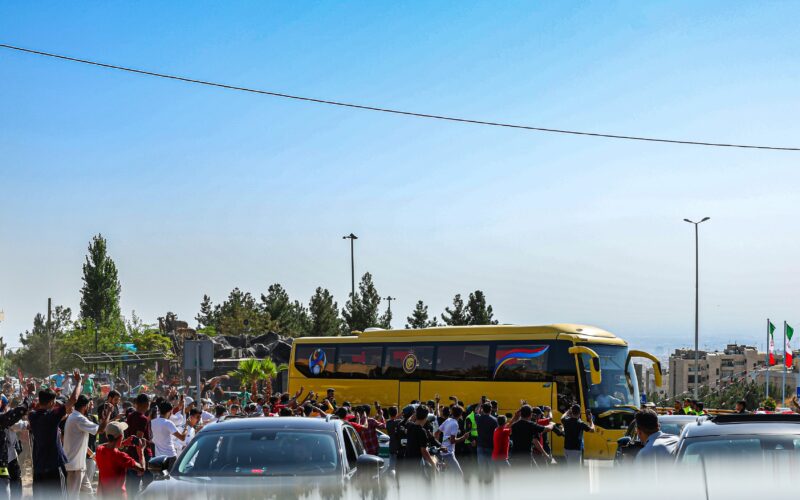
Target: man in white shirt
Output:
{"points": [[76, 441], [191, 424], [14, 470], [449, 430], [164, 430]]}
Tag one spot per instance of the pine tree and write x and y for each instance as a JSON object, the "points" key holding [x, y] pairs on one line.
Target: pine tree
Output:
{"points": [[291, 317], [239, 314], [385, 321], [323, 314], [456, 316], [101, 288], [419, 317], [361, 312], [478, 313], [206, 316]]}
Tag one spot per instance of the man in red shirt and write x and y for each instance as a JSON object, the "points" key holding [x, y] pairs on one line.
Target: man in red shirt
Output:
{"points": [[139, 426], [368, 427], [113, 463], [501, 440]]}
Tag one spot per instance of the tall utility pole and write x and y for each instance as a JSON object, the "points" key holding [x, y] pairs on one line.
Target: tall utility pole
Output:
{"points": [[389, 299], [696, 302], [49, 336], [352, 237]]}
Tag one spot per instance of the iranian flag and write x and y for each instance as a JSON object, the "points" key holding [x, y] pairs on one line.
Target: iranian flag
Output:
{"points": [[771, 344], [788, 348]]}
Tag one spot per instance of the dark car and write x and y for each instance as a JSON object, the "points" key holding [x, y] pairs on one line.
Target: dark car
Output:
{"points": [[629, 445], [751, 437], [245, 455]]}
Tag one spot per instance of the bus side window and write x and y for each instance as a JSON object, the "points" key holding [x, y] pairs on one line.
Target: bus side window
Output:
{"points": [[462, 361], [358, 361], [315, 361], [408, 362]]}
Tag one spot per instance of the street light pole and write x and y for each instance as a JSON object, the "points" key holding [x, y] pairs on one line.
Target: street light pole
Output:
{"points": [[389, 299], [352, 237], [696, 301]]}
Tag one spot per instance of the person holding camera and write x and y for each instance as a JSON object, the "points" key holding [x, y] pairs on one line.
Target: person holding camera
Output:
{"points": [[77, 429], [574, 427], [113, 463]]}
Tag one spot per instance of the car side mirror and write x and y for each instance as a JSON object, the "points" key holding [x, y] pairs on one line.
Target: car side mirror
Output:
{"points": [[369, 464], [159, 466]]}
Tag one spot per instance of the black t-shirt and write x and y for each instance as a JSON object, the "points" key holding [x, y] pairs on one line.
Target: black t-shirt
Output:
{"points": [[486, 425], [523, 432], [573, 432], [47, 452], [394, 430], [416, 438]]}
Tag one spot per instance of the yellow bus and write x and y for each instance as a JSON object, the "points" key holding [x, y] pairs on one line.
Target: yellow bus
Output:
{"points": [[553, 365]]}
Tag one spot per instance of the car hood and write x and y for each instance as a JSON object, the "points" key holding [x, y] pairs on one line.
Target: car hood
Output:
{"points": [[182, 487]]}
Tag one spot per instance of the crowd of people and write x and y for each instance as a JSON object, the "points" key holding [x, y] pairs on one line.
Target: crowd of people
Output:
{"points": [[78, 432]]}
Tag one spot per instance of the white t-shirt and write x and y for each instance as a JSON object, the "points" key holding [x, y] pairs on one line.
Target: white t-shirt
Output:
{"points": [[449, 428], [12, 438], [163, 430], [76, 439], [206, 417], [180, 445]]}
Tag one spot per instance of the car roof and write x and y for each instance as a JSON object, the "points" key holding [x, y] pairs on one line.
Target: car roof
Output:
{"points": [[275, 423], [677, 418], [733, 425]]}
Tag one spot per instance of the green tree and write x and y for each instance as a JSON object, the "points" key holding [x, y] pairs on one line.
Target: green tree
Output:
{"points": [[239, 314], [249, 372], [419, 317], [323, 315], [290, 317], [269, 370], [385, 321], [39, 354], [478, 313], [206, 317], [101, 288], [361, 311], [457, 316]]}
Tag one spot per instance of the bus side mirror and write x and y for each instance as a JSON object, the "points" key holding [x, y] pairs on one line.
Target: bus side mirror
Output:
{"points": [[657, 373], [594, 366]]}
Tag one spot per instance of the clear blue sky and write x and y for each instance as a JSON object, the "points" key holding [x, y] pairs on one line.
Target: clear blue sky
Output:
{"points": [[200, 190]]}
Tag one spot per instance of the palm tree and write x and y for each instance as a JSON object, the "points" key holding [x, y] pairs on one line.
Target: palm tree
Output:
{"points": [[269, 371], [249, 371]]}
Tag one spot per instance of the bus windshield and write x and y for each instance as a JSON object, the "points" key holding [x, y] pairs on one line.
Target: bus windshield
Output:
{"points": [[619, 386]]}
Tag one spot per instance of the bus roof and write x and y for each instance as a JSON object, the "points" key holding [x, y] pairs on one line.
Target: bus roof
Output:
{"points": [[567, 331]]}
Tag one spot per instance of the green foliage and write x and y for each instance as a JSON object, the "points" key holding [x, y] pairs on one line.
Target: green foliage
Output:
{"points": [[361, 311], [206, 317], [101, 287], [769, 404], [40, 347], [290, 317], [385, 321], [251, 371], [150, 377], [478, 313], [239, 314], [323, 315], [419, 317], [457, 316]]}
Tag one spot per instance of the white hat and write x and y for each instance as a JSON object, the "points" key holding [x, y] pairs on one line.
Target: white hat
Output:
{"points": [[187, 401], [116, 429]]}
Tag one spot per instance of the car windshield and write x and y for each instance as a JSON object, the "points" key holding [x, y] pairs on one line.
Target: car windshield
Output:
{"points": [[260, 453], [619, 386], [728, 448]]}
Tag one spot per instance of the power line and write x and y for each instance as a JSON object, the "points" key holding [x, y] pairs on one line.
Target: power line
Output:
{"points": [[389, 110]]}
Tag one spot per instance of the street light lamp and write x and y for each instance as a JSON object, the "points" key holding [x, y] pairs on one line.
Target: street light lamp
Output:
{"points": [[696, 301], [352, 237]]}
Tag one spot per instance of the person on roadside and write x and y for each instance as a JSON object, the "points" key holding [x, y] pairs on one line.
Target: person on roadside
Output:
{"points": [[574, 427], [367, 427], [741, 407], [451, 435], [417, 442], [138, 427], [658, 447], [10, 423], [110, 404], [113, 464], [77, 429], [501, 440], [486, 424], [164, 430], [47, 454], [525, 437]]}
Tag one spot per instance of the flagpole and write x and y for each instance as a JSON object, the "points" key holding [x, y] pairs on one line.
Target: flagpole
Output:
{"points": [[767, 391], [783, 391]]}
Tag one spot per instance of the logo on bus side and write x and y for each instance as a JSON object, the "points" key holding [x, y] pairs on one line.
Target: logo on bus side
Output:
{"points": [[410, 363], [317, 361]]}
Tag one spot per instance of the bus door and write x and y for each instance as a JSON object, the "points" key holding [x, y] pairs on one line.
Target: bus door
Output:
{"points": [[407, 392]]}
